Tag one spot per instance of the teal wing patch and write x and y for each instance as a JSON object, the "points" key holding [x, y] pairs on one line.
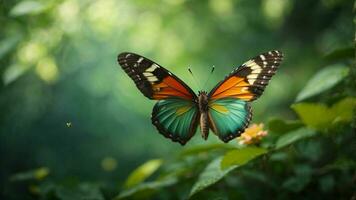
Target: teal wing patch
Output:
{"points": [[228, 117], [176, 118]]}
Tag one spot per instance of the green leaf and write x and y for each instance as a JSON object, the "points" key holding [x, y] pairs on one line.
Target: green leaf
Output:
{"points": [[283, 126], [343, 163], [143, 172], [13, 72], [323, 80], [211, 174], [341, 54], [205, 148], [144, 190], [35, 174], [294, 136], [343, 110], [300, 179], [8, 44], [240, 157], [314, 115], [81, 191], [27, 7], [321, 117]]}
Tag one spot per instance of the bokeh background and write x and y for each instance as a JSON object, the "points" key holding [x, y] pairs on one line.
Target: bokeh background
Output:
{"points": [[67, 106]]}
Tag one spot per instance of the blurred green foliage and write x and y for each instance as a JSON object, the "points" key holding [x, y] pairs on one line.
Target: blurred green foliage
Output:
{"points": [[73, 125]]}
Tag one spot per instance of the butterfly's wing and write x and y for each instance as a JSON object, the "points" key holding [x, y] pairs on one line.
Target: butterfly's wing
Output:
{"points": [[154, 81], [248, 81], [176, 119], [228, 117], [175, 114], [229, 109]]}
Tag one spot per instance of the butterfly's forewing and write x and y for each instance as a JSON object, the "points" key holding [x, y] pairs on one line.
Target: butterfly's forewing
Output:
{"points": [[229, 109], [248, 81], [154, 81], [175, 114], [228, 117], [176, 119]]}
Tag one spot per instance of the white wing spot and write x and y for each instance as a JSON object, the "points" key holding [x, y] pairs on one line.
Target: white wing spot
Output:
{"points": [[251, 78], [140, 60], [262, 57], [147, 74], [257, 71], [249, 63], [127, 55], [255, 67], [270, 53], [152, 68], [152, 79]]}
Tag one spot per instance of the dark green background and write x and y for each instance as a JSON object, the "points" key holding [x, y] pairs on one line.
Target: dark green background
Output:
{"points": [[58, 65]]}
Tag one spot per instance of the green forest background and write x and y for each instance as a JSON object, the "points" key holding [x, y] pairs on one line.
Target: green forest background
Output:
{"points": [[74, 126]]}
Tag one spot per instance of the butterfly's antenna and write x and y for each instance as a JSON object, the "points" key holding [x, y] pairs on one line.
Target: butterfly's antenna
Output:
{"points": [[195, 80], [211, 72]]}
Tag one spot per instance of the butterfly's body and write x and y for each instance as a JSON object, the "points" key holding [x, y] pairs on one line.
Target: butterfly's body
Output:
{"points": [[203, 111], [225, 110]]}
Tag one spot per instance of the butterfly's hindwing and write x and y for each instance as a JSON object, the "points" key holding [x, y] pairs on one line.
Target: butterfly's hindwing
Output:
{"points": [[248, 81], [154, 81], [229, 117], [176, 118]]}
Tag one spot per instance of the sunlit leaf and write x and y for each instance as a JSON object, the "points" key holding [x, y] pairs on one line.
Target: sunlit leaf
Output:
{"points": [[314, 115], [341, 54], [144, 190], [283, 126], [323, 80], [27, 7], [294, 136], [240, 157], [322, 117], [36, 174], [143, 172], [343, 110], [205, 148], [211, 174]]}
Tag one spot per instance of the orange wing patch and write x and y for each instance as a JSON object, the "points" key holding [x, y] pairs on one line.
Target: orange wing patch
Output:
{"points": [[248, 81], [170, 87], [235, 87]]}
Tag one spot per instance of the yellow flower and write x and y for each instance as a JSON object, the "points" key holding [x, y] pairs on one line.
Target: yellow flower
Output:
{"points": [[252, 134]]}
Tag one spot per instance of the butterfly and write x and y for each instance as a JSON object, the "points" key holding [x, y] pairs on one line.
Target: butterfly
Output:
{"points": [[226, 109]]}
